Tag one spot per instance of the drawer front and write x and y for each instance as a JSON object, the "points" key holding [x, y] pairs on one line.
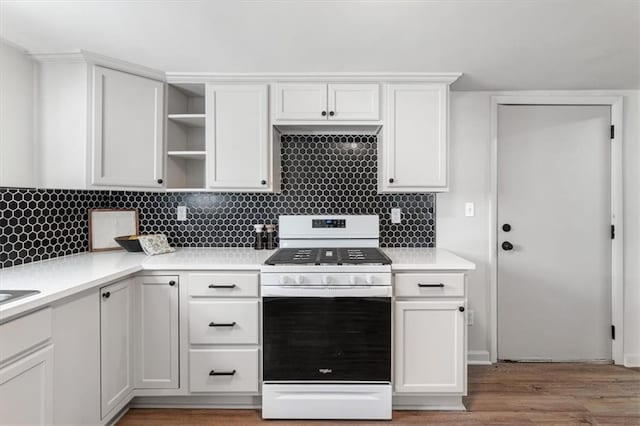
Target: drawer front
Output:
{"points": [[224, 370], [223, 322], [429, 285], [223, 285], [24, 333]]}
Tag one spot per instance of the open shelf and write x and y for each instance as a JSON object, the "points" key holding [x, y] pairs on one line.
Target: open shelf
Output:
{"points": [[190, 120], [188, 154]]}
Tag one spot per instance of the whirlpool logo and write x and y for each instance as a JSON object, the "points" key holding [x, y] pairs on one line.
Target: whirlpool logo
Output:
{"points": [[325, 370]]}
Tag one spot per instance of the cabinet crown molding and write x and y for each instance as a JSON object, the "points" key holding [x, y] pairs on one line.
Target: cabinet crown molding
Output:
{"points": [[415, 77], [92, 58]]}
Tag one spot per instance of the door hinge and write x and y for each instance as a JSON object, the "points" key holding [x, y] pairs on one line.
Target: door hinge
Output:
{"points": [[613, 232], [613, 332], [613, 131]]}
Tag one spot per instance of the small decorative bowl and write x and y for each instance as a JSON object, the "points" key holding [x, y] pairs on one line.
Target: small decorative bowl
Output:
{"points": [[129, 243]]}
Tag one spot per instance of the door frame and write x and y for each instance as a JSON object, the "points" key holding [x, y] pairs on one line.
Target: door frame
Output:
{"points": [[617, 283]]}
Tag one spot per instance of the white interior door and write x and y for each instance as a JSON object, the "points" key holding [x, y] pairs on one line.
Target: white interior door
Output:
{"points": [[554, 191]]}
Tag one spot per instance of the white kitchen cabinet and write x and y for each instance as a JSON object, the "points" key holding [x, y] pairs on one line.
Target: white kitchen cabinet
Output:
{"points": [[156, 342], [414, 145], [429, 347], [116, 328], [127, 129], [99, 122], [26, 389], [326, 102], [237, 137]]}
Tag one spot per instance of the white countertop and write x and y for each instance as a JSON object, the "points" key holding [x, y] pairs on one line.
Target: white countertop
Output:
{"points": [[63, 277]]}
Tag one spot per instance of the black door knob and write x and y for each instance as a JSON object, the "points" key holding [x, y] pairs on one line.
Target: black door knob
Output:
{"points": [[461, 308], [263, 182], [172, 283], [106, 295], [506, 227], [391, 180], [324, 113], [160, 181], [331, 113], [506, 246]]}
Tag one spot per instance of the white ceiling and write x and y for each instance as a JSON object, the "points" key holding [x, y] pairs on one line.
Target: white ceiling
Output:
{"points": [[497, 44]]}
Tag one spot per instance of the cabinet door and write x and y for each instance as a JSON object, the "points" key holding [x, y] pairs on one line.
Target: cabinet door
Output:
{"points": [[354, 102], [415, 138], [156, 332], [429, 347], [26, 390], [127, 130], [301, 102], [115, 343], [237, 137]]}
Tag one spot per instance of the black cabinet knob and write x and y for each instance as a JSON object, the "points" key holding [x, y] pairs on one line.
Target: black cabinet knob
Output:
{"points": [[263, 182], [106, 294], [324, 113], [506, 246], [391, 180], [160, 181], [332, 113], [506, 227], [461, 308], [172, 283]]}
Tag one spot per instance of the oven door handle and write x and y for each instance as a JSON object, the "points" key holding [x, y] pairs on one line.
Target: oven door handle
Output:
{"points": [[326, 291]]}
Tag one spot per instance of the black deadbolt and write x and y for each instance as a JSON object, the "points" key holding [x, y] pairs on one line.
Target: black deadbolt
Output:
{"points": [[506, 246], [506, 227]]}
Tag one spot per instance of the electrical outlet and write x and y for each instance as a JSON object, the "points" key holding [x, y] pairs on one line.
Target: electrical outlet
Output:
{"points": [[470, 317], [182, 213], [469, 209], [396, 215]]}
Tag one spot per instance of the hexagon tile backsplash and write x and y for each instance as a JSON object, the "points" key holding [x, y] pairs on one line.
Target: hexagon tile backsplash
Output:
{"points": [[321, 174]]}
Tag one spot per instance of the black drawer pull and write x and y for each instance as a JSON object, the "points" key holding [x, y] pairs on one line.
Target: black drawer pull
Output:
{"points": [[222, 286], [222, 373], [431, 285], [222, 324]]}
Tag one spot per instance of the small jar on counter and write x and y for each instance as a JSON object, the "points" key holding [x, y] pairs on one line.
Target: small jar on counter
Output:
{"points": [[258, 243], [271, 243]]}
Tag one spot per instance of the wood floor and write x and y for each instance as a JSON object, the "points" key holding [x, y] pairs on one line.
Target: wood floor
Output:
{"points": [[499, 394]]}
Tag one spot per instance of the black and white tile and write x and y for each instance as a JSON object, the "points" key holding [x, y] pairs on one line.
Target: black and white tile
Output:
{"points": [[321, 174]]}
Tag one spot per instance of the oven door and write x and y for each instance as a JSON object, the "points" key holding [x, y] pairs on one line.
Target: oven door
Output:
{"points": [[327, 339]]}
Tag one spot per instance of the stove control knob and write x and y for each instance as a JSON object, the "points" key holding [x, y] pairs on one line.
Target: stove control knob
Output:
{"points": [[326, 279], [299, 279], [368, 279], [353, 280], [284, 279]]}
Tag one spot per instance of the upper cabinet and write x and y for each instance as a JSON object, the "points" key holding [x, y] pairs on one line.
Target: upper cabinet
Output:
{"points": [[127, 130], [99, 123], [238, 144], [326, 102], [414, 143]]}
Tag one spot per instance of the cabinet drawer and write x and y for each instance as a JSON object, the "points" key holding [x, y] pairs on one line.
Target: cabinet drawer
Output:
{"points": [[25, 332], [223, 285], [429, 285], [224, 370], [223, 322]]}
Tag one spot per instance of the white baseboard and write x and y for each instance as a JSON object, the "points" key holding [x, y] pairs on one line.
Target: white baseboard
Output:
{"points": [[632, 360], [478, 358]]}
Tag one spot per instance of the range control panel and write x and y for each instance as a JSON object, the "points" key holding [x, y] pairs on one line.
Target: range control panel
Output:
{"points": [[328, 223]]}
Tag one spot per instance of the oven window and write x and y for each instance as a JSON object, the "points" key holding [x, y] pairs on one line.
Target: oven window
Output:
{"points": [[327, 339]]}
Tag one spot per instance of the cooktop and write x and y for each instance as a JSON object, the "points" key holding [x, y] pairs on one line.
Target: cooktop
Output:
{"points": [[328, 256]]}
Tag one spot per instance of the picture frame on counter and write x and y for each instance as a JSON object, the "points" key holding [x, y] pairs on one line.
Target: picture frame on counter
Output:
{"points": [[106, 224]]}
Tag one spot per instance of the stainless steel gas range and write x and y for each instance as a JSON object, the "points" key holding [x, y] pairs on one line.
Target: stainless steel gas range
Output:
{"points": [[327, 321]]}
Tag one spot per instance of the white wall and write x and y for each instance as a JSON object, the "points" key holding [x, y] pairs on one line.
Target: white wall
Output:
{"points": [[470, 181], [16, 117]]}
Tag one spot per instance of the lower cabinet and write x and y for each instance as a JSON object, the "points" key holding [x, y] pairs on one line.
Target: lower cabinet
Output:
{"points": [[155, 323], [26, 389], [116, 328], [429, 347]]}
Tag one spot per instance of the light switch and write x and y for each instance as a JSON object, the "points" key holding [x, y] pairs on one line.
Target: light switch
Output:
{"points": [[396, 215], [182, 213], [469, 209]]}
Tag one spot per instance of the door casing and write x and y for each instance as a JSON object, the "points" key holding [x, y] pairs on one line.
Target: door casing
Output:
{"points": [[617, 289]]}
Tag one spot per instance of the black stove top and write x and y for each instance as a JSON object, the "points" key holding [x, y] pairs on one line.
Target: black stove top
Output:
{"points": [[328, 256]]}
